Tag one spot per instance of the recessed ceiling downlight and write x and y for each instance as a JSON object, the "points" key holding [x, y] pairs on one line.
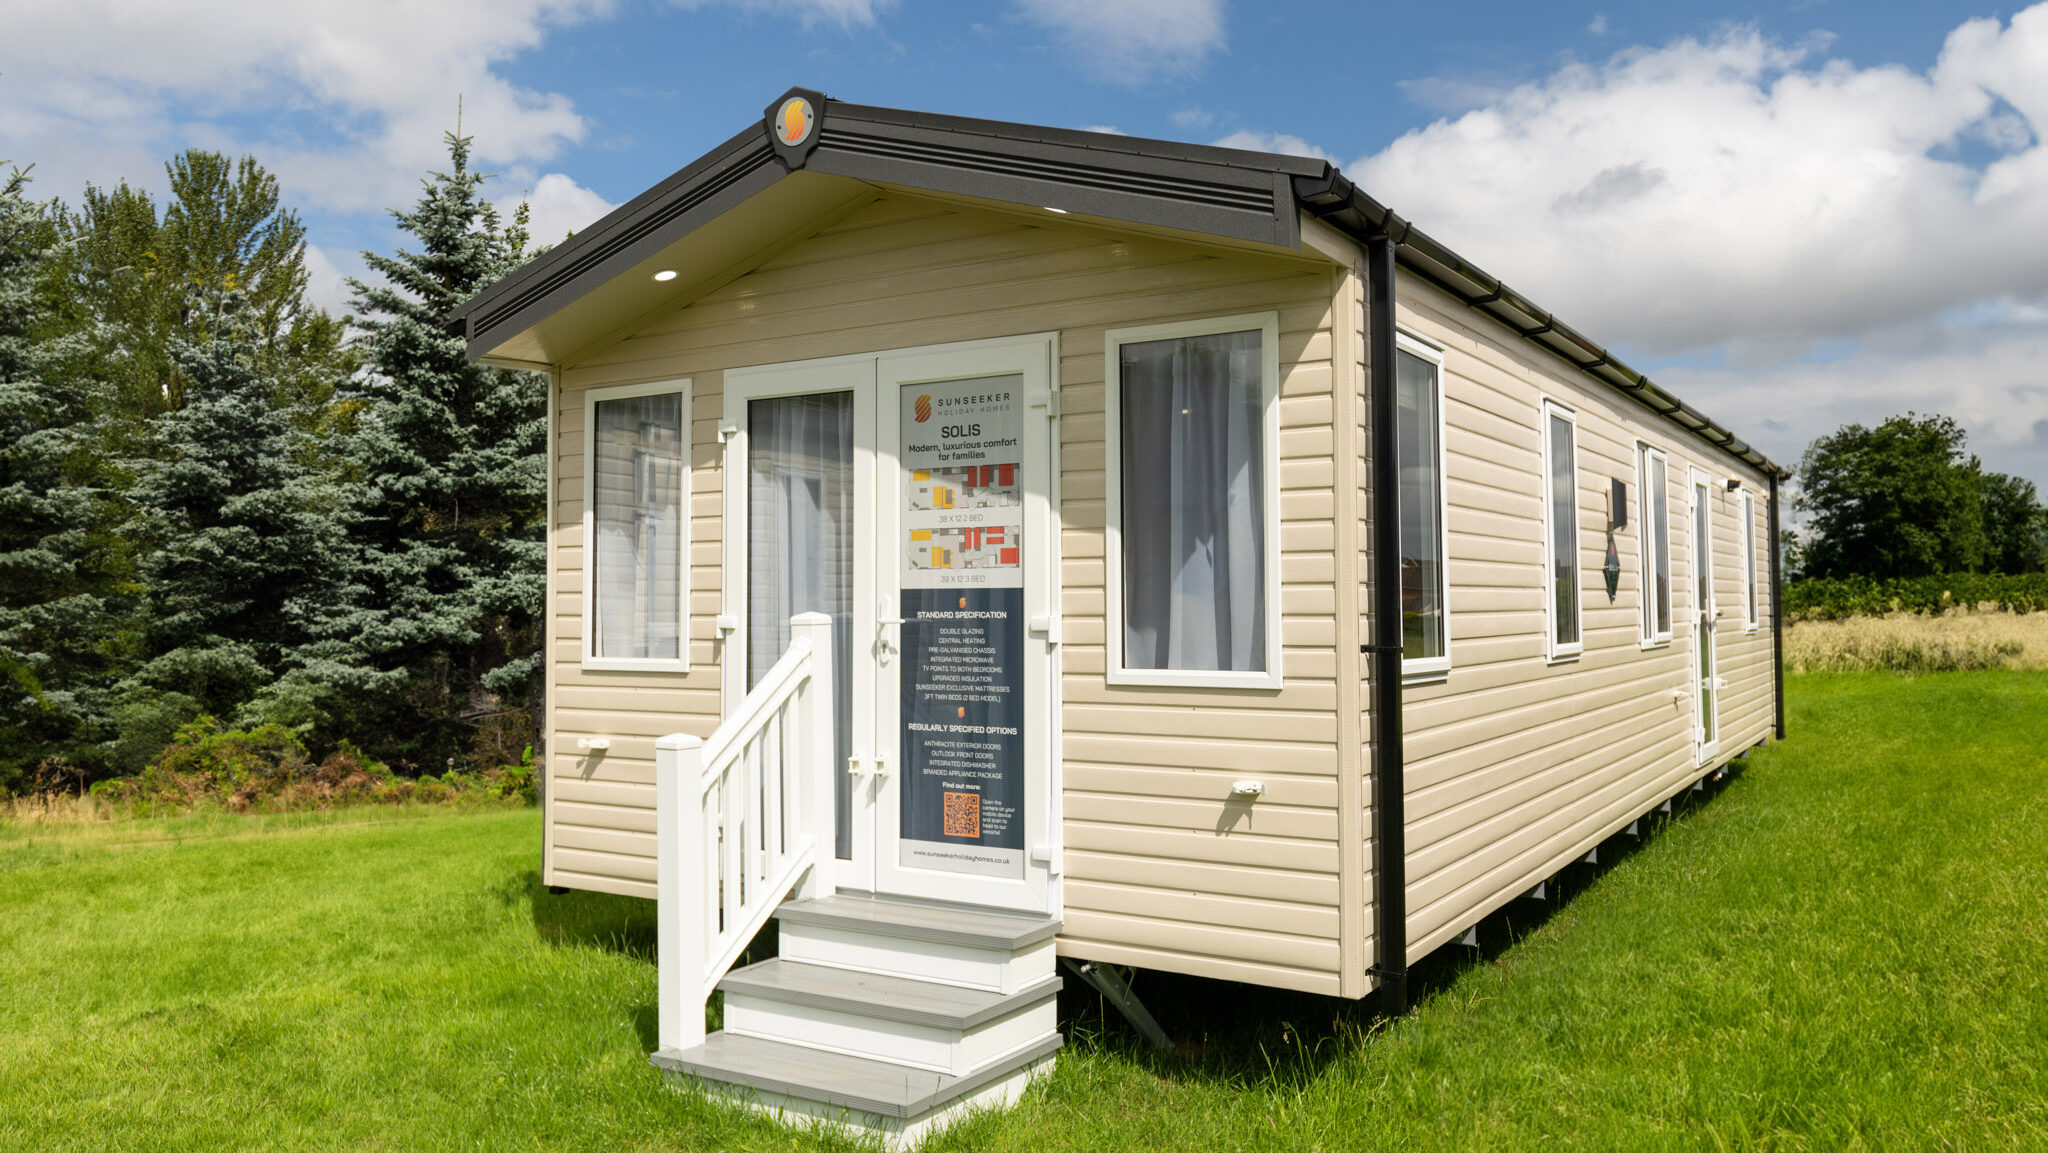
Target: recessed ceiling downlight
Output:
{"points": [[665, 275]]}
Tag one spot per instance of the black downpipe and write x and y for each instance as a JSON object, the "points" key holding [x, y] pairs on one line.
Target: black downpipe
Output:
{"points": [[1389, 833], [1777, 611]]}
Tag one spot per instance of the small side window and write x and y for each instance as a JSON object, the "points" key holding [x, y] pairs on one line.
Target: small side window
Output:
{"points": [[1749, 581], [1653, 543], [1425, 579], [1561, 528], [636, 488]]}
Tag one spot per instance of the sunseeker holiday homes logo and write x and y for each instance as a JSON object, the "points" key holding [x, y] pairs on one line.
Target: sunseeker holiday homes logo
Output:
{"points": [[924, 408]]}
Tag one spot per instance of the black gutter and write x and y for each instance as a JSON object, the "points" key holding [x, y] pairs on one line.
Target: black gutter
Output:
{"points": [[1777, 611], [1389, 819]]}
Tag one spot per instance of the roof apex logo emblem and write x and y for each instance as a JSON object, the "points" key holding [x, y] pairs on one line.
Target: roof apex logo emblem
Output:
{"points": [[792, 123], [797, 119]]}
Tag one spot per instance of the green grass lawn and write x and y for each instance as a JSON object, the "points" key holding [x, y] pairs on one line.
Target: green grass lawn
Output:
{"points": [[1846, 948]]}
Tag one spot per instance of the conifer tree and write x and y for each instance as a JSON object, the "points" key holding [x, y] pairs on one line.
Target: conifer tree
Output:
{"points": [[244, 528], [448, 593], [60, 564]]}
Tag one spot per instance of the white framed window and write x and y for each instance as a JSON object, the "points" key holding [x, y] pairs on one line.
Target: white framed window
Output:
{"points": [[1653, 543], [1749, 582], [636, 494], [1425, 531], [1192, 474], [1561, 530]]}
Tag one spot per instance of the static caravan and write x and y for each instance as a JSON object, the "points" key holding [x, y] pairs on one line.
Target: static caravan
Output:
{"points": [[975, 545]]}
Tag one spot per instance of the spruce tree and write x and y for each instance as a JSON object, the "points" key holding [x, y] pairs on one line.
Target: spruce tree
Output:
{"points": [[244, 529], [60, 565], [448, 594]]}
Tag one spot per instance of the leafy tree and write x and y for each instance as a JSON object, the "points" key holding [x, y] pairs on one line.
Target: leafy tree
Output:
{"points": [[1900, 500], [442, 628], [2015, 525], [60, 566], [145, 280], [244, 530]]}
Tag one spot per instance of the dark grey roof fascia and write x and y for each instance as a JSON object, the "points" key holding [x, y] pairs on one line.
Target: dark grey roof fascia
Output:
{"points": [[630, 233], [1217, 191], [1333, 198], [1222, 192]]}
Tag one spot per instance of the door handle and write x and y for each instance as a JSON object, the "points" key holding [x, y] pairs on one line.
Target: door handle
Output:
{"points": [[856, 766], [887, 643], [881, 768]]}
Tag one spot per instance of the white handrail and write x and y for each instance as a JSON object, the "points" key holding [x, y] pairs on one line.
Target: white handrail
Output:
{"points": [[741, 819]]}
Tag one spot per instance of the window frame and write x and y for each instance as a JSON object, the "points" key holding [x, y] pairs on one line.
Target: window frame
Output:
{"points": [[590, 660], [1749, 582], [1554, 649], [1650, 636], [1431, 668], [1267, 324]]}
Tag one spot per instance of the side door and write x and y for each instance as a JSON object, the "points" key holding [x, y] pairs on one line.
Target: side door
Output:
{"points": [[1706, 614]]}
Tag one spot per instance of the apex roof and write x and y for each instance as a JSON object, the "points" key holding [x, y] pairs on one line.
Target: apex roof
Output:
{"points": [[809, 153]]}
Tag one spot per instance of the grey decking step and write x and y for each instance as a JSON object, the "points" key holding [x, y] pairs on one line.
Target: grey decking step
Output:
{"points": [[837, 1079], [944, 924], [876, 995]]}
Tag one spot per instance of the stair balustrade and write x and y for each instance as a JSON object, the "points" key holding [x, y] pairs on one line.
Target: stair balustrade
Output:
{"points": [[742, 819]]}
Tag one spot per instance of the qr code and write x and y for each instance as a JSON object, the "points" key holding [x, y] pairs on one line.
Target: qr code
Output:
{"points": [[963, 814]]}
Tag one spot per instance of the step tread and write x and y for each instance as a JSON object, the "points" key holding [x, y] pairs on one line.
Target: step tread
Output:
{"points": [[879, 995], [838, 1079], [945, 924]]}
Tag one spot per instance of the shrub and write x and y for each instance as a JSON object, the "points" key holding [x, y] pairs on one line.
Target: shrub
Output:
{"points": [[267, 768], [1845, 597]]}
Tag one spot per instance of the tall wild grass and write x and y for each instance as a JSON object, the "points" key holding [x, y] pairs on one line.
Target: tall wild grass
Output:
{"points": [[1907, 642]]}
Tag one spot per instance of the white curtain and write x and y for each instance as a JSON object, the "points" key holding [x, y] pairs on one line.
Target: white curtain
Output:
{"points": [[800, 547], [1194, 500], [638, 513]]}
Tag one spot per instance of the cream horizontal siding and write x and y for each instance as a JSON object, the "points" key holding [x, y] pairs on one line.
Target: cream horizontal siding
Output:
{"points": [[1517, 765], [600, 827], [1161, 869]]}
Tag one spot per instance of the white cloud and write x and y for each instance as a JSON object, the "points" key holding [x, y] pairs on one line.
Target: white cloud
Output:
{"points": [[845, 13], [1134, 41], [1740, 189], [1273, 142], [1599, 25], [558, 206], [101, 89], [327, 280], [1992, 379]]}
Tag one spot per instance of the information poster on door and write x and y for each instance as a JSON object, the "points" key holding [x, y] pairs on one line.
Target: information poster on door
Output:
{"points": [[963, 626]]}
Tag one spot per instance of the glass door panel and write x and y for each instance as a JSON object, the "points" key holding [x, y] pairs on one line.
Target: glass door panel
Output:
{"points": [[800, 541]]}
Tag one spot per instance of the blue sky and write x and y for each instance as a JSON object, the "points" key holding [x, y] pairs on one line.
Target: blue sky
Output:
{"points": [[1793, 214]]}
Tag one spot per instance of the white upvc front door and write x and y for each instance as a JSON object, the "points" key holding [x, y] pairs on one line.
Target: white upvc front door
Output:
{"points": [[927, 529], [1705, 666]]}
